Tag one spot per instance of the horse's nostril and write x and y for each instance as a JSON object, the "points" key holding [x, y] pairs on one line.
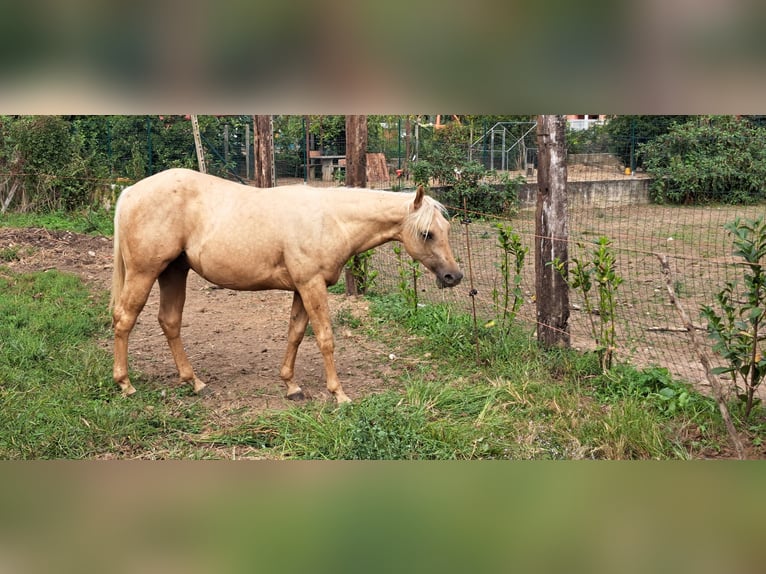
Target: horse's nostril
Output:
{"points": [[452, 278]]}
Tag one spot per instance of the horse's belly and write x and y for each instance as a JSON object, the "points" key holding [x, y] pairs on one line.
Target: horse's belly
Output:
{"points": [[242, 275]]}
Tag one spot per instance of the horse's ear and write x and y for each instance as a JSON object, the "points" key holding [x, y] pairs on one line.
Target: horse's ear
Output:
{"points": [[419, 194]]}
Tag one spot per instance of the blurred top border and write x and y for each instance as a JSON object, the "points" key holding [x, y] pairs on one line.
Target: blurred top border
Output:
{"points": [[483, 57]]}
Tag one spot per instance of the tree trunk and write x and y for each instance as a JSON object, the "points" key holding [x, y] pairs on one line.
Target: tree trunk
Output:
{"points": [[356, 151], [356, 176], [551, 233], [263, 151]]}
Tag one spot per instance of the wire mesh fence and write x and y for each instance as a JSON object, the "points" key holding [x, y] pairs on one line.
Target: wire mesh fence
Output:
{"points": [[609, 195], [649, 329]]}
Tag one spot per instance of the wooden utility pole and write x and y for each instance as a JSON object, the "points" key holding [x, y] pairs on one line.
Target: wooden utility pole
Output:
{"points": [[551, 232], [356, 176], [263, 151]]}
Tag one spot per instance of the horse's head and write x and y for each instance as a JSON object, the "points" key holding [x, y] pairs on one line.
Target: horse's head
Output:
{"points": [[426, 239]]}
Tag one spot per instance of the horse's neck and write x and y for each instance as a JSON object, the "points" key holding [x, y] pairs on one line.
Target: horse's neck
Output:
{"points": [[368, 226]]}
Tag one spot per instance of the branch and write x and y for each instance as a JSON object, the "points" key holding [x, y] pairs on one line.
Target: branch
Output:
{"points": [[714, 382], [8, 199]]}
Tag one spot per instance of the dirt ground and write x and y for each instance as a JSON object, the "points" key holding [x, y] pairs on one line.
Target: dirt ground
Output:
{"points": [[235, 340]]}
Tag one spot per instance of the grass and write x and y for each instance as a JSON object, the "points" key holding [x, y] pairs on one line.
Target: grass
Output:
{"points": [[91, 221], [57, 399], [522, 404]]}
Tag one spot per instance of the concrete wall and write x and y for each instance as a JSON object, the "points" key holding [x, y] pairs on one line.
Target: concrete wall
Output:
{"points": [[594, 159], [606, 193]]}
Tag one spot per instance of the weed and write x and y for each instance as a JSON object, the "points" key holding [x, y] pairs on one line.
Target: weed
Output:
{"points": [[657, 388], [9, 254], [346, 318], [512, 259], [361, 269], [408, 271], [599, 269]]}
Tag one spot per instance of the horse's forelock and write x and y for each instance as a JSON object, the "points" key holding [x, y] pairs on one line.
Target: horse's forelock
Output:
{"points": [[419, 221]]}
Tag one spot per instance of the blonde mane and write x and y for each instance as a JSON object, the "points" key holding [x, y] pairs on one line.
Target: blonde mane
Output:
{"points": [[418, 222]]}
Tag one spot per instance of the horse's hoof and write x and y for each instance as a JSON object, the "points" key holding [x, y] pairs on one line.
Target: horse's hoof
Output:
{"points": [[204, 392], [127, 390], [342, 398], [298, 396]]}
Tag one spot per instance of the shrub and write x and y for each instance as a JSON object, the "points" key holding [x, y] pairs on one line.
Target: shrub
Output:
{"points": [[46, 155], [720, 159]]}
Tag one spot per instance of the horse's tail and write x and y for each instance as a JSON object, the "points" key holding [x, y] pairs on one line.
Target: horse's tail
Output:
{"points": [[118, 273]]}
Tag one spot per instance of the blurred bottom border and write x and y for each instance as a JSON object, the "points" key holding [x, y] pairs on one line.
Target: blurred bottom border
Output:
{"points": [[381, 516]]}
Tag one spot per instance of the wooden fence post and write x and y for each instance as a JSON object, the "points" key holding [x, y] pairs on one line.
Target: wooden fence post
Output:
{"points": [[551, 232], [356, 176], [263, 151]]}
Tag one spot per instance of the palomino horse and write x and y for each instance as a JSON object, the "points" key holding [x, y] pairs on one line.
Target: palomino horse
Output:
{"points": [[294, 238]]}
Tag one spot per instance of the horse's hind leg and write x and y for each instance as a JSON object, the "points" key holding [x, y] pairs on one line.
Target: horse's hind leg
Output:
{"points": [[126, 310], [298, 321], [172, 298]]}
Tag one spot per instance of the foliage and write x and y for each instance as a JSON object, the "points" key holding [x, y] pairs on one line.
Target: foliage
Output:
{"points": [[714, 159], [361, 269], [328, 133], [512, 260], [658, 390], [422, 172], [581, 275], [621, 136], [70, 162], [464, 183], [737, 330], [468, 184], [46, 158], [595, 139]]}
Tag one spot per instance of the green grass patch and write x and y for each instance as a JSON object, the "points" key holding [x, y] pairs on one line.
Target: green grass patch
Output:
{"points": [[521, 403], [57, 398], [89, 221]]}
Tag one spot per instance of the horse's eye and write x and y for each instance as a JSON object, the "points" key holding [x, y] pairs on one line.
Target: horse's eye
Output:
{"points": [[427, 235]]}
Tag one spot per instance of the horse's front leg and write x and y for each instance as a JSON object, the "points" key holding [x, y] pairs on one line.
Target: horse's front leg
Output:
{"points": [[314, 295], [298, 321]]}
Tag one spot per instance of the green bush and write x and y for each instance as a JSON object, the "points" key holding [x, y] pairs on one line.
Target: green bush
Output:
{"points": [[46, 155], [711, 159]]}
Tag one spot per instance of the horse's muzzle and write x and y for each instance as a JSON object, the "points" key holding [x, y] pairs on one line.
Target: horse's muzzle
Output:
{"points": [[448, 279]]}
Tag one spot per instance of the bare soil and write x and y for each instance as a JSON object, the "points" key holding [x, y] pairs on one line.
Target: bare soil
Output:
{"points": [[235, 340]]}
